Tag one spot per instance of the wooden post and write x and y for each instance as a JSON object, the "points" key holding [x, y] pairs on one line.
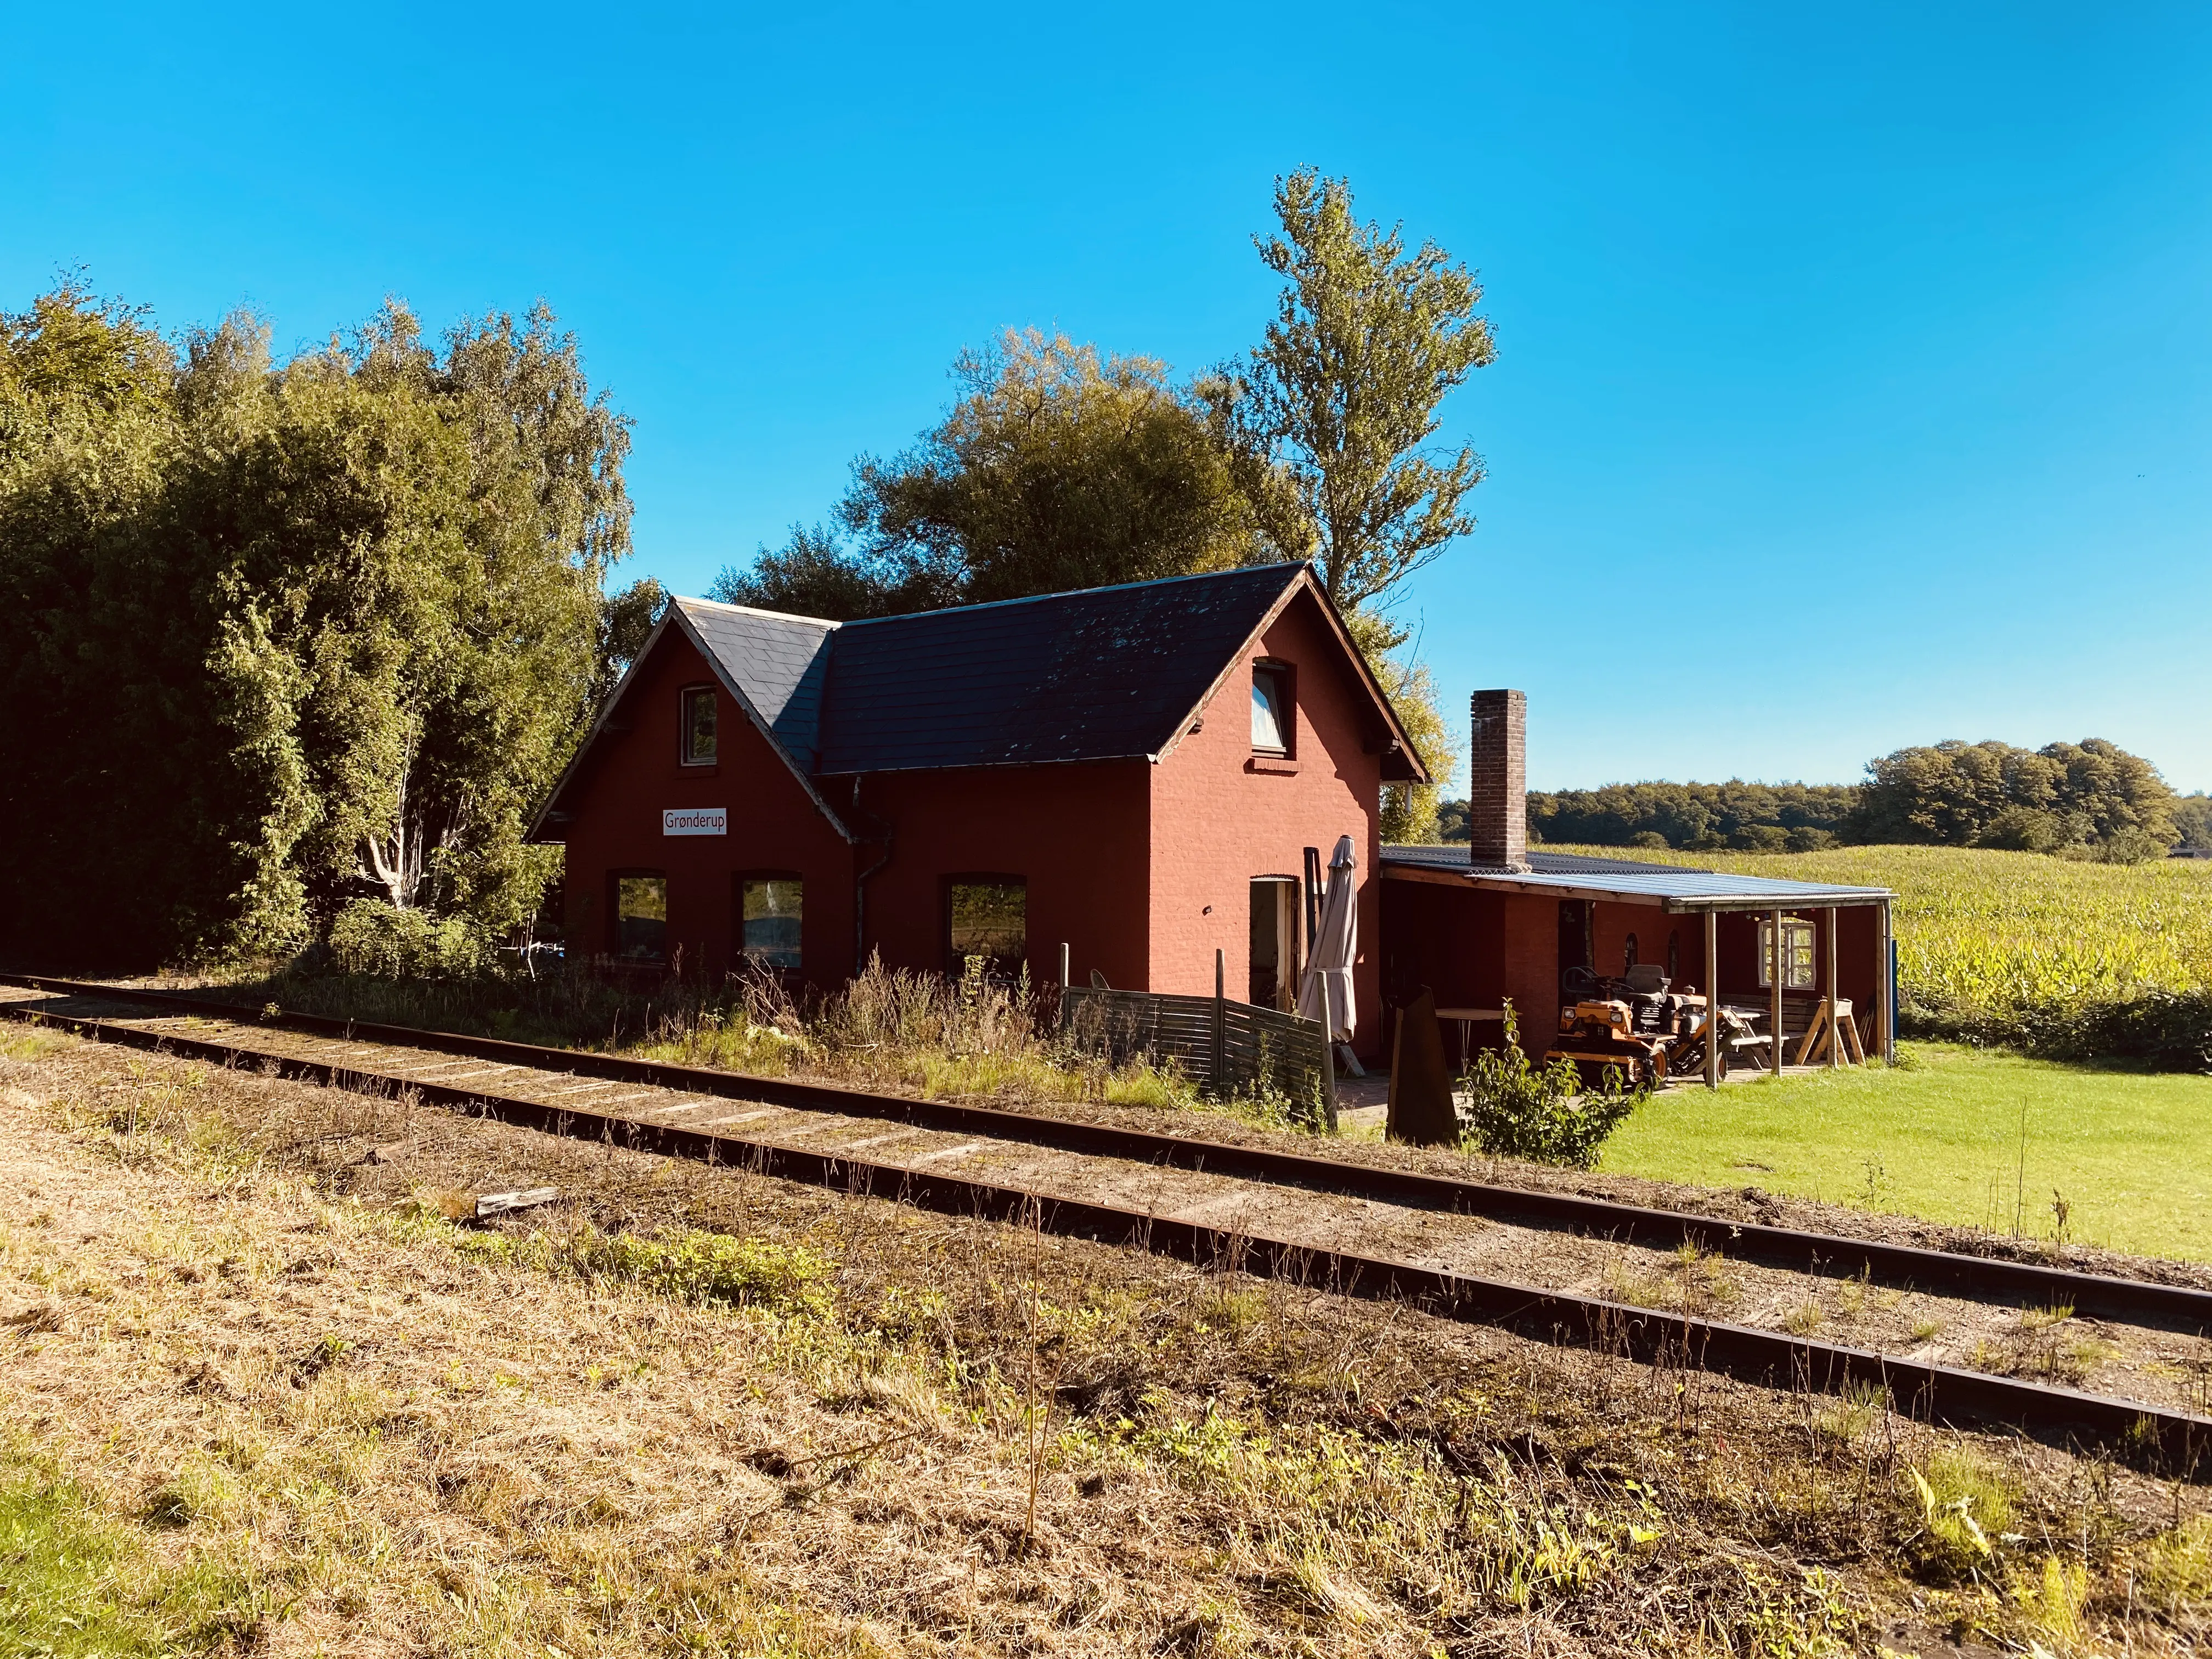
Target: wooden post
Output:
{"points": [[1884, 1016], [1774, 987], [1713, 1025], [1328, 1075], [1063, 965], [1220, 1016], [1835, 1039], [1312, 896]]}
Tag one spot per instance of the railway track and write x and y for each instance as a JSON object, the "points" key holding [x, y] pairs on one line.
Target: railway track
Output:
{"points": [[564, 1092]]}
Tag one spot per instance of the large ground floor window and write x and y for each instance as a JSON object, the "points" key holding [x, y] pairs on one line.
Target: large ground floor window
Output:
{"points": [[985, 916], [770, 906], [640, 913]]}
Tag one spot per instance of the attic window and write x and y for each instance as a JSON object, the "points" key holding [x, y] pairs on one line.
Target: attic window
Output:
{"points": [[1271, 708], [698, 725]]}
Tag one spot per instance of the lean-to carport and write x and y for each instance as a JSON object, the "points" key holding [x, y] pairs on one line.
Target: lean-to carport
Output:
{"points": [[1811, 959]]}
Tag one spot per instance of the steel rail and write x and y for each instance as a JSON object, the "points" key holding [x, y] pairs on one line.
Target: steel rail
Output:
{"points": [[1900, 1266], [2158, 1441]]}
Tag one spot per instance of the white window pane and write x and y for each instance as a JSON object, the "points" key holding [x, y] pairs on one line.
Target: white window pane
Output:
{"points": [[1267, 714]]}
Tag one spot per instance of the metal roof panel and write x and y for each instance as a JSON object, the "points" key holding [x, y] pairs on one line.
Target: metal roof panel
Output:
{"points": [[1671, 884]]}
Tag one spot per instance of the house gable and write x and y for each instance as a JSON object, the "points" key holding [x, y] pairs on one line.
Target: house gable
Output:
{"points": [[1382, 732], [680, 630], [744, 816]]}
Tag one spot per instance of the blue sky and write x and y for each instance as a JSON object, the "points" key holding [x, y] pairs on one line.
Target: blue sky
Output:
{"points": [[1855, 373]]}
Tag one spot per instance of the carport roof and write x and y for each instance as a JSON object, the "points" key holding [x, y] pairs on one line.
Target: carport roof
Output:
{"points": [[1670, 886]]}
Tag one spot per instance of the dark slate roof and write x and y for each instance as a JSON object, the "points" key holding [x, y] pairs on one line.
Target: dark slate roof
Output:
{"points": [[780, 663], [1107, 673], [1673, 885]]}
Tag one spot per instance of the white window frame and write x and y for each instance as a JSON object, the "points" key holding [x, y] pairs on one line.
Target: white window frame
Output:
{"points": [[1279, 700], [1800, 957]]}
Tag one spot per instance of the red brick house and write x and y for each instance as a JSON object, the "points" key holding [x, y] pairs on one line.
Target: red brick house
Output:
{"points": [[1134, 772]]}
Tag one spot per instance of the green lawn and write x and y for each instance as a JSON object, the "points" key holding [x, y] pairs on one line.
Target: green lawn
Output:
{"points": [[1939, 1137]]}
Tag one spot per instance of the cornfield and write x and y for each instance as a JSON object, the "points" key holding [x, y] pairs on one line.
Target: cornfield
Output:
{"points": [[1996, 939]]}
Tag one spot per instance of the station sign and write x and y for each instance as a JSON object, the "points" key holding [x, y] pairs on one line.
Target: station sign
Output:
{"points": [[695, 821]]}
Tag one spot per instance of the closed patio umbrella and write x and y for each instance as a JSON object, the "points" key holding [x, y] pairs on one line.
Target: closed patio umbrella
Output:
{"points": [[1324, 992]]}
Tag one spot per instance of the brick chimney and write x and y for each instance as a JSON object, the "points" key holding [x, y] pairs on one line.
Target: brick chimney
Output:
{"points": [[1498, 782]]}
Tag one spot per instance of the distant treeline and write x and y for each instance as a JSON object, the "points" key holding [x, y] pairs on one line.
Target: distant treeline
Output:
{"points": [[2091, 799]]}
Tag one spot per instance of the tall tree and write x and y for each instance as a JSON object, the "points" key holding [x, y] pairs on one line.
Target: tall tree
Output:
{"points": [[1342, 399], [1057, 467], [2090, 800], [2192, 821], [1367, 342], [330, 632]]}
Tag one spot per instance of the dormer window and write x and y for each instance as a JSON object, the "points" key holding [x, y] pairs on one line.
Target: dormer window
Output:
{"points": [[1271, 708], [697, 742]]}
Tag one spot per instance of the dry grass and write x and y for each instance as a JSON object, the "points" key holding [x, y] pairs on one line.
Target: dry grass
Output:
{"points": [[896, 1029], [263, 1395]]}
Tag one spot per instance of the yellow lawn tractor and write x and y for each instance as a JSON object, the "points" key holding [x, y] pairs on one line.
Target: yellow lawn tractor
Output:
{"points": [[1635, 1024]]}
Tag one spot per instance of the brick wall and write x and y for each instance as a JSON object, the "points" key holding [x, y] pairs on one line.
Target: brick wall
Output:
{"points": [[1221, 816], [1497, 780]]}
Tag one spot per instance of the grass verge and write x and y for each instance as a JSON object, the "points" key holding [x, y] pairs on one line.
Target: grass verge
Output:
{"points": [[1967, 1137]]}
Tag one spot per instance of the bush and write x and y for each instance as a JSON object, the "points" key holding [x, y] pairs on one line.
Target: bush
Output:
{"points": [[2166, 1030], [1518, 1109], [372, 938]]}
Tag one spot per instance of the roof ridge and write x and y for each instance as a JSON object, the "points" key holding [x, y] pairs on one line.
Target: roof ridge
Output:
{"points": [[1075, 593], [755, 610]]}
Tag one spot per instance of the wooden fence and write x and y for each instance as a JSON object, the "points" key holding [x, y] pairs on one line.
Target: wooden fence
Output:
{"points": [[1223, 1048]]}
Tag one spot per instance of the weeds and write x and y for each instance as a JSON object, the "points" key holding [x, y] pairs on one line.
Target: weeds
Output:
{"points": [[1624, 1283], [1804, 1319], [1853, 1413], [2175, 1568], [1968, 1506], [2050, 1600], [887, 1028]]}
